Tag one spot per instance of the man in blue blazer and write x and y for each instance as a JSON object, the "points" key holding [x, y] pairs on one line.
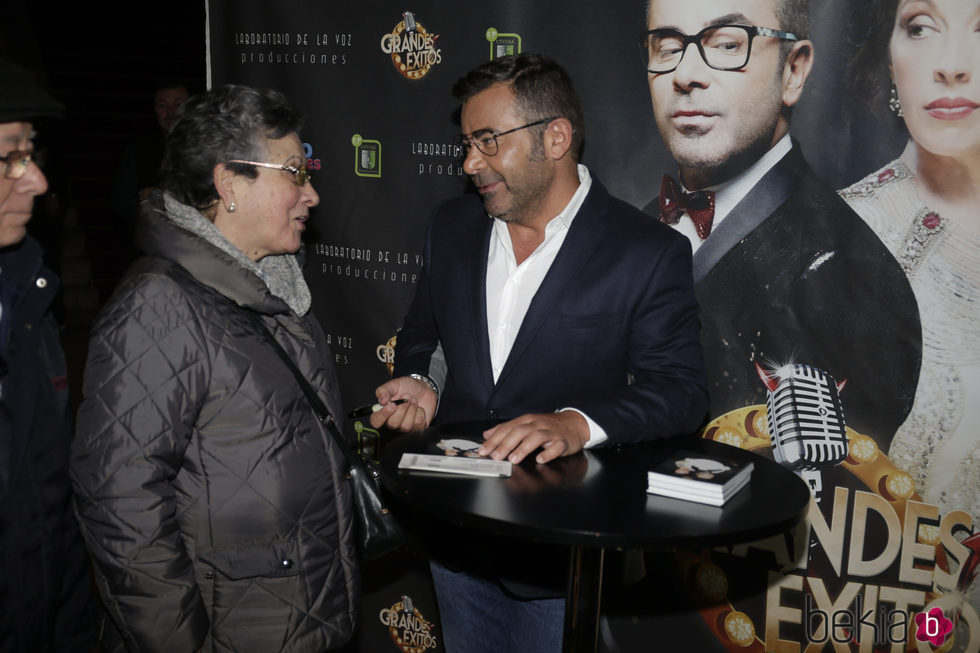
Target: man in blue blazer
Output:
{"points": [[550, 304]]}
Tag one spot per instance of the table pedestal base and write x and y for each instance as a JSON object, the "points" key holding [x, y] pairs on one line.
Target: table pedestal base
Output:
{"points": [[583, 600]]}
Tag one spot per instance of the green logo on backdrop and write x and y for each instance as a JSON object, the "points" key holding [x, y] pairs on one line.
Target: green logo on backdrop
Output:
{"points": [[502, 45], [367, 156]]}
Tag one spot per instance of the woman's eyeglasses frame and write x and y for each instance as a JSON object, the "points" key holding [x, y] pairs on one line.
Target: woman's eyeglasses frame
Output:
{"points": [[300, 174]]}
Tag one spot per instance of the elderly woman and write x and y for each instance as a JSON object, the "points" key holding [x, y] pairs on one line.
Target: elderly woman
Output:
{"points": [[213, 501], [924, 57]]}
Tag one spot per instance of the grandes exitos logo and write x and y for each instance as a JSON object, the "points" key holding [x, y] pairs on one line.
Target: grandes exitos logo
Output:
{"points": [[408, 628], [884, 571], [412, 48]]}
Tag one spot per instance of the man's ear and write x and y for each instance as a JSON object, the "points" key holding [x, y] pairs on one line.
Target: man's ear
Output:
{"points": [[558, 138], [798, 65]]}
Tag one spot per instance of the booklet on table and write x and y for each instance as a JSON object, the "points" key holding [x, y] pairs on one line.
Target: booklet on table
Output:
{"points": [[698, 477]]}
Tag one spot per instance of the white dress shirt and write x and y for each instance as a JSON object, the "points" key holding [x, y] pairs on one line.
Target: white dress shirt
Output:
{"points": [[731, 192], [511, 287]]}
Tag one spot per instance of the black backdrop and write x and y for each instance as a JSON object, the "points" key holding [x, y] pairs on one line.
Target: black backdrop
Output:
{"points": [[334, 68]]}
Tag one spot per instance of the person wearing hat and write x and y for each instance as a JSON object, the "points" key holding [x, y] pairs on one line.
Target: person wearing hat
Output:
{"points": [[45, 591]]}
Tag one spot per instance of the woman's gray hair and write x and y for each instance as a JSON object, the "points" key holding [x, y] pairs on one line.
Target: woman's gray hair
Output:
{"points": [[225, 123]]}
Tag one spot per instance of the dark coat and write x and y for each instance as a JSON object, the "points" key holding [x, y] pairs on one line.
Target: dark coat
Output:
{"points": [[211, 498], [794, 275], [45, 587]]}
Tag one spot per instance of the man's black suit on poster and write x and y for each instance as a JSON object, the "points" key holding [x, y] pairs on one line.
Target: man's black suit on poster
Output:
{"points": [[792, 274]]}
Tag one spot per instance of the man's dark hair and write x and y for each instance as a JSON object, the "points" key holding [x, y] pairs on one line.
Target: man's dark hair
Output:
{"points": [[540, 86], [794, 17], [229, 122]]}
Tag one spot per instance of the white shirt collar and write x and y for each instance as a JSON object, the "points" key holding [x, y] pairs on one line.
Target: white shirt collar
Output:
{"points": [[571, 209]]}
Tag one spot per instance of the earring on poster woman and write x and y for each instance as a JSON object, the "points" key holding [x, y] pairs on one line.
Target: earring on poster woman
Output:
{"points": [[893, 102], [232, 207]]}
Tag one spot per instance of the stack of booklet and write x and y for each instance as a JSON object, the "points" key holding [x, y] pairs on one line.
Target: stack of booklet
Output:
{"points": [[698, 477]]}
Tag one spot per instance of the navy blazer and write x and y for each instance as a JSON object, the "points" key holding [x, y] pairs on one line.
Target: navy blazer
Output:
{"points": [[612, 331]]}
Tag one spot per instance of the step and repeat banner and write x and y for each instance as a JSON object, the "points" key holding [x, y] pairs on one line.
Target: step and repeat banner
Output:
{"points": [[887, 559]]}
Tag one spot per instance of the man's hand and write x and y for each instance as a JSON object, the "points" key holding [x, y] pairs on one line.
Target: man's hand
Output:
{"points": [[558, 434], [413, 415]]}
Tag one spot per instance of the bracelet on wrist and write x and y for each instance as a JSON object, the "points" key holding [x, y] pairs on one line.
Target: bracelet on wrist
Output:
{"points": [[429, 382]]}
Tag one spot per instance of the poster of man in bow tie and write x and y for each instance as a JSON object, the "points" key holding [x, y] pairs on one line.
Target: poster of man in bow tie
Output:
{"points": [[785, 272]]}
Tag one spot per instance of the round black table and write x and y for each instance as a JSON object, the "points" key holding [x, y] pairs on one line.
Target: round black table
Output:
{"points": [[593, 501]]}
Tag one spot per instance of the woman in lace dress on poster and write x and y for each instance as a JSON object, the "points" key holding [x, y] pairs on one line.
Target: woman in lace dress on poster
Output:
{"points": [[924, 58]]}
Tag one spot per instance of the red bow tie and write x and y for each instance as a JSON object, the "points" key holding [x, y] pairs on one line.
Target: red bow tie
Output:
{"points": [[699, 205]]}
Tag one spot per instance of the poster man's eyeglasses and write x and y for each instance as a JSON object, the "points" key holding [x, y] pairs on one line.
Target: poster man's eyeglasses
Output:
{"points": [[722, 47]]}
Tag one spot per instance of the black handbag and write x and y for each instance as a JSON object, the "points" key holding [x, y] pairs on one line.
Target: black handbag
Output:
{"points": [[378, 532]]}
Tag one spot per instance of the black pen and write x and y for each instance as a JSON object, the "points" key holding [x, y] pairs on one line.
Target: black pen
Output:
{"points": [[364, 411]]}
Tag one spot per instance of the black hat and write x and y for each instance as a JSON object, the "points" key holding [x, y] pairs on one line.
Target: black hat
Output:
{"points": [[21, 98]]}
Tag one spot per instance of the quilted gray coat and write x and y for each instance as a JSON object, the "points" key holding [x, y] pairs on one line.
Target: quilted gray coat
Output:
{"points": [[211, 499]]}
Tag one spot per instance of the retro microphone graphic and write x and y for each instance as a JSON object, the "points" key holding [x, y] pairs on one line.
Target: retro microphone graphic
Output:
{"points": [[805, 419], [409, 21], [407, 604]]}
